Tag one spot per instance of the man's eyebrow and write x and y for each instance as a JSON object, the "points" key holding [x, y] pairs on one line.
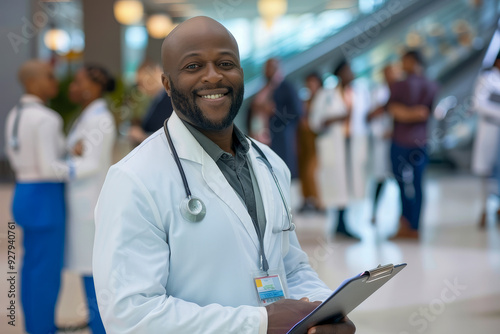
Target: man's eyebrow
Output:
{"points": [[222, 53], [189, 55], [230, 53]]}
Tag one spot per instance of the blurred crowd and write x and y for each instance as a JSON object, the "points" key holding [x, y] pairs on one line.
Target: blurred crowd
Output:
{"points": [[326, 140]]}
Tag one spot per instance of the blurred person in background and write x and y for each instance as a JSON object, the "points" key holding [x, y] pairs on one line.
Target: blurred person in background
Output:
{"points": [[410, 104], [381, 127], [260, 111], [35, 149], [279, 101], [160, 108], [308, 160], [95, 127], [486, 103], [339, 117]]}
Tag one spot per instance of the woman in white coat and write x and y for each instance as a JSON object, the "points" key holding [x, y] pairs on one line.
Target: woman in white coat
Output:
{"points": [[95, 128], [339, 117], [487, 105], [381, 128]]}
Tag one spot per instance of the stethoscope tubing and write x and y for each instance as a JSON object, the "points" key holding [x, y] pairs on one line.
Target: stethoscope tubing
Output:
{"points": [[176, 159], [14, 141]]}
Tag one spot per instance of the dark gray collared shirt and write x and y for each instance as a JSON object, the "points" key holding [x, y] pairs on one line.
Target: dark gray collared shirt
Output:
{"points": [[237, 171]]}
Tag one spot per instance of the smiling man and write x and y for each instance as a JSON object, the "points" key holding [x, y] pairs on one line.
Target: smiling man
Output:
{"points": [[192, 233]]}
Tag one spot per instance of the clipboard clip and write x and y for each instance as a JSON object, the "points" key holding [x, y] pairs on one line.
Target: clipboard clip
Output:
{"points": [[379, 272]]}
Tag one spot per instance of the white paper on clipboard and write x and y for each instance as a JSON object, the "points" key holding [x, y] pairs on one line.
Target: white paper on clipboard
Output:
{"points": [[347, 297]]}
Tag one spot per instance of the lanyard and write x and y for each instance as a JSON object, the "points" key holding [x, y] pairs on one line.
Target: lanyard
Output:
{"points": [[291, 227], [264, 265]]}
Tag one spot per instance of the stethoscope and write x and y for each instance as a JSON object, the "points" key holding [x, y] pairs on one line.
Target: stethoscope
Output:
{"points": [[14, 140], [194, 210]]}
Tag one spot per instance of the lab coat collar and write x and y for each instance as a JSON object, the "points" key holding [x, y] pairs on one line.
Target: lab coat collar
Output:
{"points": [[94, 106], [188, 148], [186, 145], [30, 98]]}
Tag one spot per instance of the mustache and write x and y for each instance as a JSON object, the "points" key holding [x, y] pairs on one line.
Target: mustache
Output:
{"points": [[210, 87]]}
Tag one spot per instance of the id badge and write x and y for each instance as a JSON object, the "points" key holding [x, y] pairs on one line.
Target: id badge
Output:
{"points": [[269, 288]]}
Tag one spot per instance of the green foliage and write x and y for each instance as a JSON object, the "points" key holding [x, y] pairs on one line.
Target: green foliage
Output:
{"points": [[61, 103]]}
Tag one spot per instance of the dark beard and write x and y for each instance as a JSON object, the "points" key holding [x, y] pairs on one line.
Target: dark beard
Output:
{"points": [[187, 106]]}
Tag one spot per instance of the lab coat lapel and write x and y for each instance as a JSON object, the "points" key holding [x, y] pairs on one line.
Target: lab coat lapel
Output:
{"points": [[219, 185], [185, 144], [188, 148], [266, 184]]}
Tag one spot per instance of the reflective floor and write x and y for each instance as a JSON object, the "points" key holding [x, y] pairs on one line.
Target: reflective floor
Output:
{"points": [[451, 284]]}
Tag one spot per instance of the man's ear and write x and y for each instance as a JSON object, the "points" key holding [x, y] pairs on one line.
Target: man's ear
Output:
{"points": [[166, 83]]}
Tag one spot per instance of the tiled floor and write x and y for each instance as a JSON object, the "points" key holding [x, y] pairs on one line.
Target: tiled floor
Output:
{"points": [[451, 284]]}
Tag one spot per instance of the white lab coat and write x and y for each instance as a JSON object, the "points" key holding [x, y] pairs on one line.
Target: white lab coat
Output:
{"points": [[41, 142], [380, 126], [155, 272], [485, 150], [96, 127], [342, 171]]}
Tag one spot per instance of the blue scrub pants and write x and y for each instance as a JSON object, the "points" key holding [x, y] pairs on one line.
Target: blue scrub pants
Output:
{"points": [[39, 208], [95, 322], [408, 166]]}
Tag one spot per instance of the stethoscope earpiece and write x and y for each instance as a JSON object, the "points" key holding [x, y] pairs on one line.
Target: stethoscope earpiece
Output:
{"points": [[193, 209]]}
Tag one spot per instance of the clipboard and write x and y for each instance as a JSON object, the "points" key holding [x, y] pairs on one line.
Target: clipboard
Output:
{"points": [[347, 297]]}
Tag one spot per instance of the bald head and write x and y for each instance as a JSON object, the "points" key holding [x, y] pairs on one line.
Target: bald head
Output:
{"points": [[32, 69], [38, 79], [197, 32]]}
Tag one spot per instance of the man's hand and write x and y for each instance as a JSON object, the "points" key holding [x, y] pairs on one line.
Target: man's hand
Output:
{"points": [[78, 149], [405, 114], [422, 113], [375, 113], [345, 326], [284, 314]]}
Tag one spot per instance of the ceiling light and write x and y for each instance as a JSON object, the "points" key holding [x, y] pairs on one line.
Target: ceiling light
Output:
{"points": [[159, 25], [270, 10], [57, 40], [128, 12]]}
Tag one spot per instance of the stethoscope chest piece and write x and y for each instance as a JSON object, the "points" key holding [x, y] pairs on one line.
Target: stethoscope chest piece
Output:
{"points": [[193, 209]]}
